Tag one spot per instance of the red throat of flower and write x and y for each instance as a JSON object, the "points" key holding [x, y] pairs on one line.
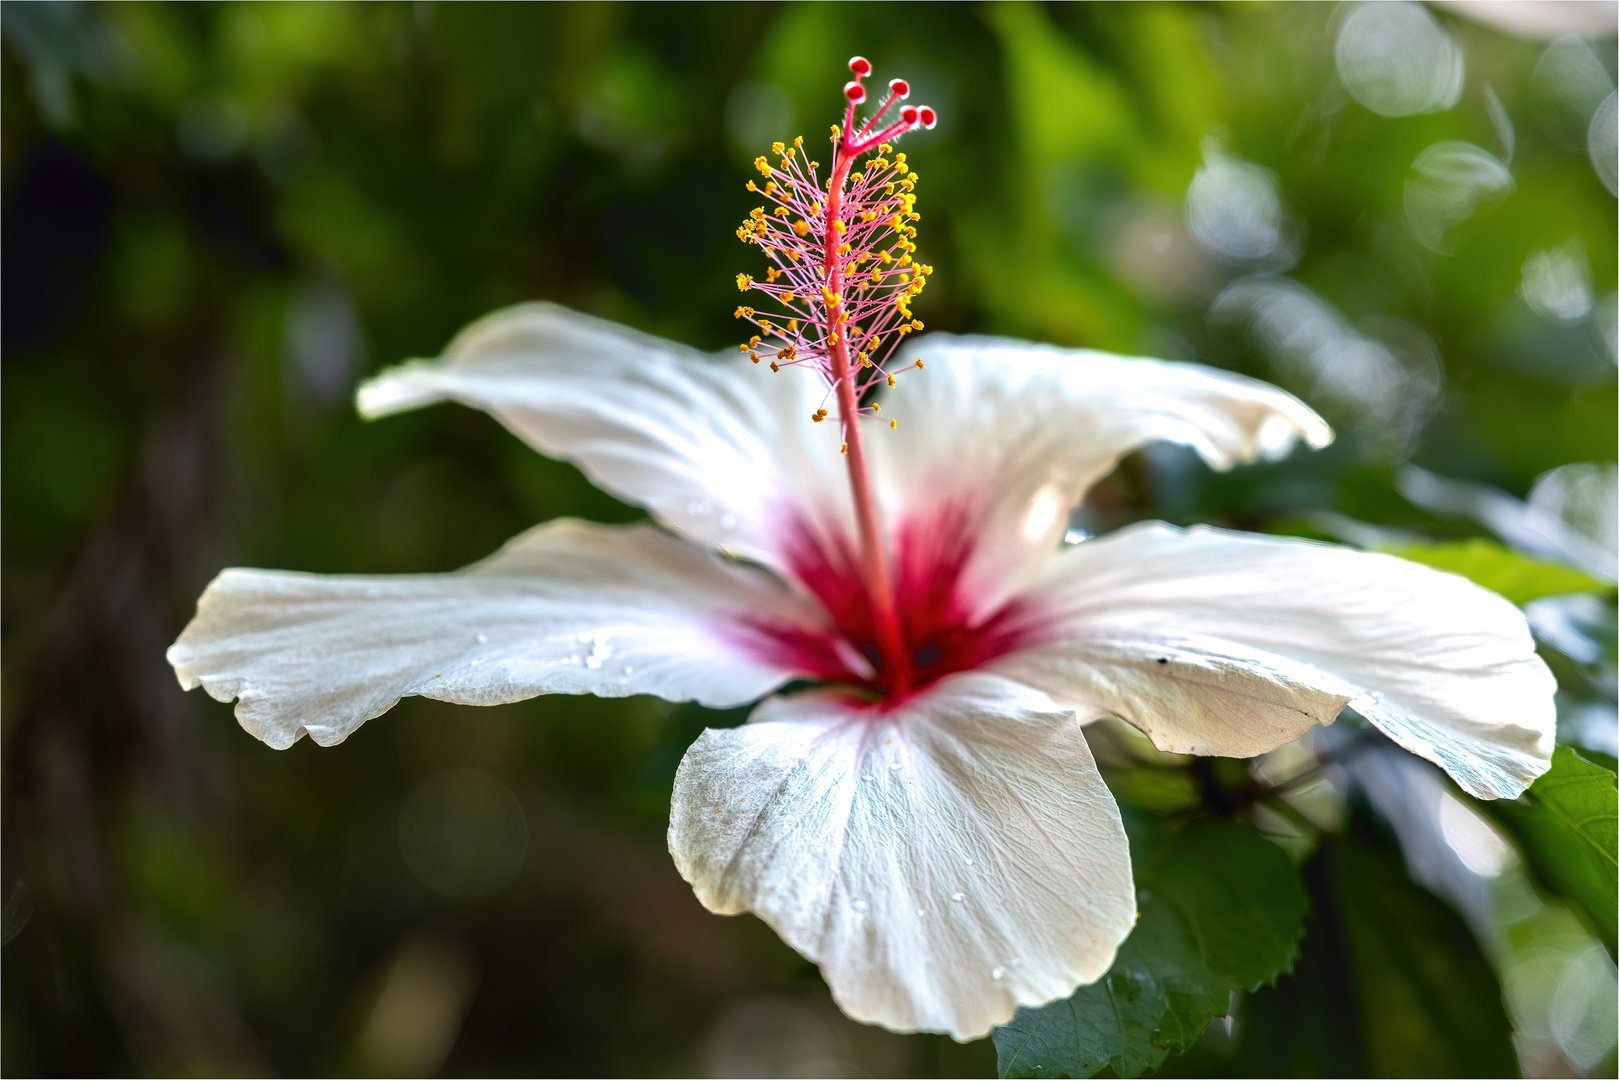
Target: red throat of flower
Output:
{"points": [[843, 275]]}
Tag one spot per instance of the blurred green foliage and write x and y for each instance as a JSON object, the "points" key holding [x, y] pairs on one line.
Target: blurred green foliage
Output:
{"points": [[219, 217]]}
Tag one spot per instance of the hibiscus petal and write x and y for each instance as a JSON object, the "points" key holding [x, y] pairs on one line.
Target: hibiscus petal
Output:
{"points": [[714, 446], [944, 861], [1002, 439], [1226, 643], [567, 607]]}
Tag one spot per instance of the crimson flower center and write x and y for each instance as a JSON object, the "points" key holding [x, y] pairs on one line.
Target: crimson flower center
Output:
{"points": [[943, 627]]}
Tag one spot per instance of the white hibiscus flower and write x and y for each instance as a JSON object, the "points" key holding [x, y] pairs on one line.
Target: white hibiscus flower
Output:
{"points": [[929, 825]]}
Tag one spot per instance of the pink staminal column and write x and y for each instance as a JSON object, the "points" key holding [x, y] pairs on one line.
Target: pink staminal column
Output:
{"points": [[844, 272]]}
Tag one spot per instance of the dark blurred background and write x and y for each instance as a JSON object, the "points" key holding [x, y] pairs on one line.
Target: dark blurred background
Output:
{"points": [[219, 217]]}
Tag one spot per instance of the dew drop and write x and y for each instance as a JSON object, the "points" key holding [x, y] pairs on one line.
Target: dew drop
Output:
{"points": [[969, 862], [894, 767], [628, 670], [998, 974], [483, 639], [593, 661], [867, 779], [858, 905], [728, 521], [921, 913], [958, 897]]}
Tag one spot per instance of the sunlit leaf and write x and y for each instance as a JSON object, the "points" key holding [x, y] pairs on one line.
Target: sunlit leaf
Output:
{"points": [[1517, 577], [1221, 908], [1567, 825]]}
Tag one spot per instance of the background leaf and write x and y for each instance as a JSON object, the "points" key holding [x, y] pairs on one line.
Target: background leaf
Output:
{"points": [[1517, 577], [1221, 909], [1430, 1004], [1566, 824]]}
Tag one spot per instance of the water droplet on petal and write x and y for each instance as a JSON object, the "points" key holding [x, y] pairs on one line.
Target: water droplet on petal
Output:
{"points": [[997, 974], [858, 905], [969, 862], [728, 521], [593, 661], [894, 767], [628, 670], [958, 897], [867, 779], [921, 912], [483, 639]]}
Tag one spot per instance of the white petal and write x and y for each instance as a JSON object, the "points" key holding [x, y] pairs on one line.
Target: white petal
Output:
{"points": [[717, 447], [568, 607], [1262, 637], [1007, 437], [944, 862]]}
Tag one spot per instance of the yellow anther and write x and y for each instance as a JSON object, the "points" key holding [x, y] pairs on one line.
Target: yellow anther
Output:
{"points": [[762, 165], [792, 324], [744, 313], [788, 353], [876, 277], [875, 407], [865, 361], [770, 187], [799, 142], [788, 298], [774, 366], [778, 148], [801, 227], [781, 211], [888, 260], [753, 342], [833, 340], [905, 260], [752, 186], [840, 226], [902, 168], [916, 324], [886, 148], [868, 216], [919, 364], [893, 424], [844, 249], [754, 357], [743, 283], [845, 449], [891, 380]]}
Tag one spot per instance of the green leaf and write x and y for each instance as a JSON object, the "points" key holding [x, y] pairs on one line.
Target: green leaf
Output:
{"points": [[1221, 909], [1566, 823], [1429, 1003], [1517, 577]]}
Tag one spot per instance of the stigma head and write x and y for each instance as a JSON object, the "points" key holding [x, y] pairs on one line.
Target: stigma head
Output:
{"points": [[860, 66]]}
